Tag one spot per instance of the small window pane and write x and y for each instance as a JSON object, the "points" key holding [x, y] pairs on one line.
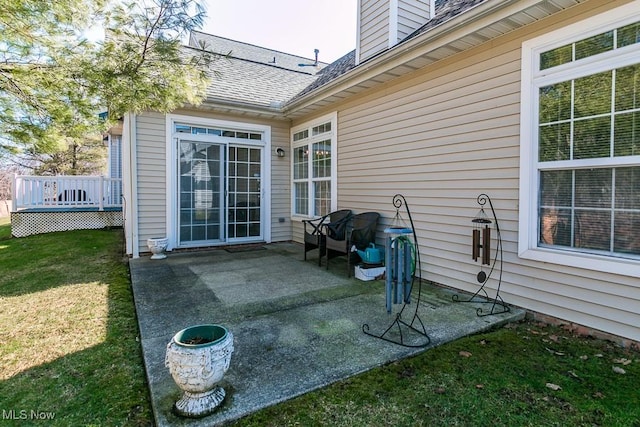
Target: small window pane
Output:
{"points": [[626, 138], [555, 102], [322, 197], [300, 135], [555, 227], [593, 95], [300, 163], [592, 138], [627, 189], [254, 229], [626, 232], [593, 230], [301, 198], [593, 188], [322, 159], [555, 142], [555, 57], [199, 232], [629, 35], [325, 127], [556, 188], [243, 154], [254, 156], [594, 45], [628, 88]]}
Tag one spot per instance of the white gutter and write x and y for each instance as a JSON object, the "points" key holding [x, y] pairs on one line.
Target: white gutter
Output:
{"points": [[274, 111]]}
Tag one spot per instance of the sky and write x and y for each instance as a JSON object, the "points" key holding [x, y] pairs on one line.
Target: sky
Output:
{"points": [[290, 26]]}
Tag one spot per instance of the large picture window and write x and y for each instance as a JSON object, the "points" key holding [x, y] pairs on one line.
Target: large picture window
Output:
{"points": [[314, 167], [580, 135]]}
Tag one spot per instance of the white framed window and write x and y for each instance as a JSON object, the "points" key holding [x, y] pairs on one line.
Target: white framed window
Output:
{"points": [[314, 164], [580, 145]]}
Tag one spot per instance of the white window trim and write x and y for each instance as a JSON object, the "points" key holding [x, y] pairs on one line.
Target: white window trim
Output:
{"points": [[528, 218], [172, 161], [333, 118]]}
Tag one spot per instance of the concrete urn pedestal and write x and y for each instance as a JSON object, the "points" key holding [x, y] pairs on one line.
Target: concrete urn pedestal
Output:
{"points": [[198, 357], [157, 246]]}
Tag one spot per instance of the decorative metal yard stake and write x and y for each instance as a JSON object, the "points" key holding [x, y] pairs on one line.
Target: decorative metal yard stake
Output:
{"points": [[401, 272], [481, 248]]}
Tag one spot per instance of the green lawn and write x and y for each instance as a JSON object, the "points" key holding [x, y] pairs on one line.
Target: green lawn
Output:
{"points": [[69, 344], [69, 347]]}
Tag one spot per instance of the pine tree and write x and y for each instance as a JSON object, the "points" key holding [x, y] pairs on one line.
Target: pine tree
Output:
{"points": [[54, 82]]}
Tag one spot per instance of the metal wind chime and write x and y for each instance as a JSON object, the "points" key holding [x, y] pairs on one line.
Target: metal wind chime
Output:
{"points": [[402, 269], [481, 249]]}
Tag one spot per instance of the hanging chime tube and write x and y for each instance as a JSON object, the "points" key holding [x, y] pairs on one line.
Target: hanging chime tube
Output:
{"points": [[486, 245], [407, 271], [399, 270], [475, 244], [389, 274]]}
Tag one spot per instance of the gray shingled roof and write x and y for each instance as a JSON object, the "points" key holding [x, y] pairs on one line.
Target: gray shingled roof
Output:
{"points": [[250, 75], [332, 71], [240, 80], [445, 10], [252, 52]]}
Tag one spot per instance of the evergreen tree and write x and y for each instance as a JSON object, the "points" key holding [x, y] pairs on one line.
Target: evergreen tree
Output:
{"points": [[54, 81]]}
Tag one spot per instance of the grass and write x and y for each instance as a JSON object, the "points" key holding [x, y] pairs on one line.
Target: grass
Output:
{"points": [[69, 347], [505, 377]]}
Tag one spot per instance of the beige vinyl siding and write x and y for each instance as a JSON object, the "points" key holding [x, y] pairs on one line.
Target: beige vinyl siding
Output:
{"points": [[412, 14], [442, 136], [280, 183], [151, 179], [373, 28]]}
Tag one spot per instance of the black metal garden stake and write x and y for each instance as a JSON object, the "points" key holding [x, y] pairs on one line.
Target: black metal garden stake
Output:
{"points": [[481, 249], [403, 269]]}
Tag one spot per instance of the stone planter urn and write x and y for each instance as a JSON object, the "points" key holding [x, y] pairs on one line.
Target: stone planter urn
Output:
{"points": [[157, 246], [198, 358]]}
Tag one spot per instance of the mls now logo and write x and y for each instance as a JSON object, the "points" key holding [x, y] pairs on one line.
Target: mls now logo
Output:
{"points": [[23, 414]]}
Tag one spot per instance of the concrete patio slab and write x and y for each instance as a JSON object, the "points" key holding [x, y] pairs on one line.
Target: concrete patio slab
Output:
{"points": [[297, 327]]}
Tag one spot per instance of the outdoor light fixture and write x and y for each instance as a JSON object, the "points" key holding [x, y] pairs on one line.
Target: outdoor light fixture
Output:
{"points": [[279, 151]]}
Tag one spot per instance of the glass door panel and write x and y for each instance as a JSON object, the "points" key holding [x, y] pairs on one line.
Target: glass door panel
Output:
{"points": [[201, 192], [244, 212]]}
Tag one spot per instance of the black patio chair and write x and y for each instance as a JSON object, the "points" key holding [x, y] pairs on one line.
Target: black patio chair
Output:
{"points": [[314, 229], [360, 232]]}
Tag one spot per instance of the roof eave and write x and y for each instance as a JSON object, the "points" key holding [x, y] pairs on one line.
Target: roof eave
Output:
{"points": [[243, 108], [369, 72]]}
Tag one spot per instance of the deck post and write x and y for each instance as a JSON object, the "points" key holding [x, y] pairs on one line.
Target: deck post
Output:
{"points": [[14, 193], [101, 194]]}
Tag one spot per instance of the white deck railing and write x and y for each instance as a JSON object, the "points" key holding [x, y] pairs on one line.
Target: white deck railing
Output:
{"points": [[59, 192]]}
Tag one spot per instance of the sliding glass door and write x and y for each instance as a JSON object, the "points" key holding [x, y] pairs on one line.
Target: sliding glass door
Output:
{"points": [[245, 210], [219, 193], [200, 193]]}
